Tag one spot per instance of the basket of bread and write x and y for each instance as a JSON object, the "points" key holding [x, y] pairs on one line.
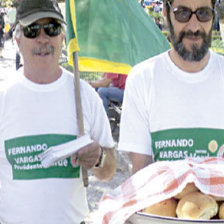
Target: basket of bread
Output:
{"points": [[182, 192], [188, 206]]}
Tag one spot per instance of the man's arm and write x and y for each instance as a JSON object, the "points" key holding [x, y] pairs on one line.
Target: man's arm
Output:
{"points": [[104, 82], [89, 156], [139, 161], [107, 171]]}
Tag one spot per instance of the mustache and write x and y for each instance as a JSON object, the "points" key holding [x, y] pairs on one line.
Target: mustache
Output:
{"points": [[192, 34], [48, 49]]}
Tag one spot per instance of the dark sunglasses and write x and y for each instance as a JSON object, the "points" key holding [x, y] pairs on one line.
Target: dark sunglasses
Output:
{"points": [[184, 14], [52, 29]]}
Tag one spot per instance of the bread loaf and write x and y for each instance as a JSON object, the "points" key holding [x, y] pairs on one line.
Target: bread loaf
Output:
{"points": [[163, 208], [190, 187], [197, 205], [221, 211]]}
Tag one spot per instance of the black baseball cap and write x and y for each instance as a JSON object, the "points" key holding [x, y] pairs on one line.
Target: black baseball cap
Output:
{"points": [[29, 11]]}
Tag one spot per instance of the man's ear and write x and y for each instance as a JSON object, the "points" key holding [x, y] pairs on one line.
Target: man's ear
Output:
{"points": [[17, 41], [62, 37]]}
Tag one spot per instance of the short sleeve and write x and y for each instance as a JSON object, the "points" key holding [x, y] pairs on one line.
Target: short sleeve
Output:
{"points": [[134, 127], [98, 121]]}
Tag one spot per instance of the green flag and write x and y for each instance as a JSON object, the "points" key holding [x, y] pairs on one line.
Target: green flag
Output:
{"points": [[71, 34], [113, 35]]}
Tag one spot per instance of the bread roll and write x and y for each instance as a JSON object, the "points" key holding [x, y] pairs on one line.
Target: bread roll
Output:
{"points": [[197, 205], [221, 211], [163, 208], [190, 187]]}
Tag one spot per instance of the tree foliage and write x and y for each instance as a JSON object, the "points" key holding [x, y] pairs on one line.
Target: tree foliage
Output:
{"points": [[221, 11], [5, 3]]}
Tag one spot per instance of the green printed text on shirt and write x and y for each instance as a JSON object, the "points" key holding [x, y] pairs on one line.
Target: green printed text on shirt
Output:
{"points": [[22, 153], [176, 144]]}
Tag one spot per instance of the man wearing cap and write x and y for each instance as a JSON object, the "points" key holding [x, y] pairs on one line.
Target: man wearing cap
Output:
{"points": [[37, 111]]}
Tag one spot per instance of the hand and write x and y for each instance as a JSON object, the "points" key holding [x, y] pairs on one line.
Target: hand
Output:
{"points": [[88, 156]]}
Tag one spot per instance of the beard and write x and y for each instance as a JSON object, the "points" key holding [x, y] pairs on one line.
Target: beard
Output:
{"points": [[196, 53]]}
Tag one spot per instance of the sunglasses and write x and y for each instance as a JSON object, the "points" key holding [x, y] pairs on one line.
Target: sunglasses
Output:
{"points": [[183, 14], [52, 29]]}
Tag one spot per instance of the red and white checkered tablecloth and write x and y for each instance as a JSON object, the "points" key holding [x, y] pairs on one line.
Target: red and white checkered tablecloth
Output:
{"points": [[157, 182]]}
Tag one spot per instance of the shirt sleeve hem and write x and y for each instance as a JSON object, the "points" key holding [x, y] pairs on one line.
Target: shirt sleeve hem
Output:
{"points": [[134, 148]]}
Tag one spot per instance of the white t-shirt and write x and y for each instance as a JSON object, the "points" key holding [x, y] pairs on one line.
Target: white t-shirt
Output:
{"points": [[11, 15], [34, 117], [172, 114]]}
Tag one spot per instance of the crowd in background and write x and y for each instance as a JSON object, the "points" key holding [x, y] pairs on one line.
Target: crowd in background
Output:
{"points": [[7, 27]]}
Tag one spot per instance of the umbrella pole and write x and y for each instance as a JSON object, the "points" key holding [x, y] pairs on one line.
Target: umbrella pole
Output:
{"points": [[79, 109]]}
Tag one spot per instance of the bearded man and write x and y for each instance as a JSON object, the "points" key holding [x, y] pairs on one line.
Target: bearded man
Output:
{"points": [[173, 102]]}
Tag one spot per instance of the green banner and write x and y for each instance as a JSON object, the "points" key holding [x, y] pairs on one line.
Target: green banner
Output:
{"points": [[22, 153], [176, 144], [113, 35]]}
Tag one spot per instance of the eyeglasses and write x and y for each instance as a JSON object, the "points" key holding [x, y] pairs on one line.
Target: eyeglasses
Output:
{"points": [[184, 14], [52, 29]]}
